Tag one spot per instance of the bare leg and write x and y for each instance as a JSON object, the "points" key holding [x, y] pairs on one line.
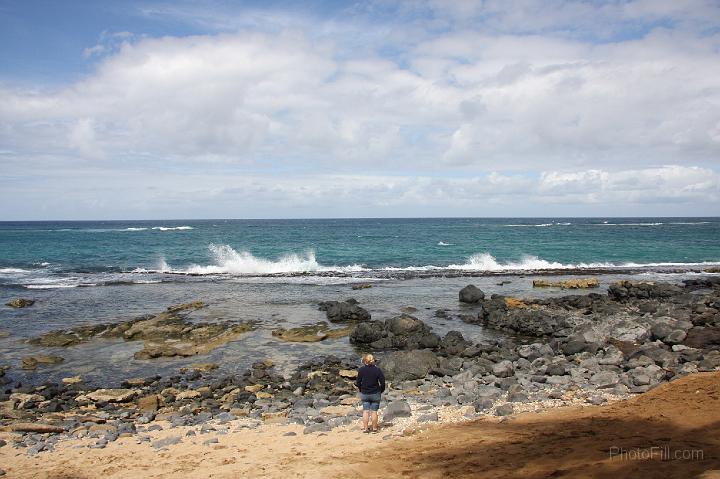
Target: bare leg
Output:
{"points": [[365, 420], [374, 420]]}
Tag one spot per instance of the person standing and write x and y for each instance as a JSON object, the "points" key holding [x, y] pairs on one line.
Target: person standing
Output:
{"points": [[371, 382]]}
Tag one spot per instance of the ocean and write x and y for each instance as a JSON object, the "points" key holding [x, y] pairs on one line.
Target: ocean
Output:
{"points": [[276, 271]]}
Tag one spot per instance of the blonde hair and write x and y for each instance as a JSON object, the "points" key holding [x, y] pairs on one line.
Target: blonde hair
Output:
{"points": [[368, 359]]}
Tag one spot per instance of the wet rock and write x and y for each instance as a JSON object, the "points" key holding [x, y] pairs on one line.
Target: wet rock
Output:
{"points": [[167, 334], [471, 294], [203, 367], [408, 365], [567, 284], [32, 362], [20, 303], [343, 311], [624, 290], [302, 334], [361, 286], [366, 333], [405, 325]]}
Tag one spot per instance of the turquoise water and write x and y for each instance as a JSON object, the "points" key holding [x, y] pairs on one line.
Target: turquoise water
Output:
{"points": [[33, 252]]}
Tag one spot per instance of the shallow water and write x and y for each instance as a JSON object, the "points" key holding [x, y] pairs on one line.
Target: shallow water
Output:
{"points": [[271, 304]]}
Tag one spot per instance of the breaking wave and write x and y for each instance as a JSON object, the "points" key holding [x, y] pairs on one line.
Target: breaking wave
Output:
{"points": [[227, 260], [173, 228]]}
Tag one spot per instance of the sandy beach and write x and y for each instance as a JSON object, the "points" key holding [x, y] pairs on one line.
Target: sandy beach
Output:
{"points": [[670, 431]]}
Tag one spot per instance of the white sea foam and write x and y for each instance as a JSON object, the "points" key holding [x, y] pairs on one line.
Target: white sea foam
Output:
{"points": [[442, 243], [229, 261], [134, 229], [541, 225], [690, 223], [487, 262], [173, 228], [13, 270], [604, 223], [52, 286]]}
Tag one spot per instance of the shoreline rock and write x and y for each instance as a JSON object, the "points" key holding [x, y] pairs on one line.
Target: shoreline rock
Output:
{"points": [[18, 303]]}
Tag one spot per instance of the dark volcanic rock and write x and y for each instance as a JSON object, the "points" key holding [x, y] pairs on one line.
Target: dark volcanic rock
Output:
{"points": [[400, 332], [471, 294], [20, 303], [407, 365], [166, 334], [701, 338], [368, 332], [339, 311], [624, 290]]}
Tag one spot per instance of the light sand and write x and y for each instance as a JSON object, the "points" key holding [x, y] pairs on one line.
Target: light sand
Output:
{"points": [[566, 442]]}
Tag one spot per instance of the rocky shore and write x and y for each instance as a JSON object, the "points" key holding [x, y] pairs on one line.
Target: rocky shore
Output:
{"points": [[577, 349]]}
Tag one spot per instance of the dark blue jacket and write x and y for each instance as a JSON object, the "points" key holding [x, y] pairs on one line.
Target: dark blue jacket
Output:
{"points": [[370, 380]]}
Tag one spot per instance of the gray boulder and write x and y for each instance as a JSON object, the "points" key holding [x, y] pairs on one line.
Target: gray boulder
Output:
{"points": [[471, 294], [397, 409], [340, 311], [367, 332], [408, 365], [503, 369]]}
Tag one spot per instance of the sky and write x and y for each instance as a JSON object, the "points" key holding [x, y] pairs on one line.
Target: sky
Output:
{"points": [[487, 108]]}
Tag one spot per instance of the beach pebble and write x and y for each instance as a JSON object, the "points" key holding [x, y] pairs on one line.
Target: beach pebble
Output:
{"points": [[212, 440], [291, 433], [2, 443]]}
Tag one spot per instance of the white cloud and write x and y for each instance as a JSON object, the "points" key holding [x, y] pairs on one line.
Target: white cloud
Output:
{"points": [[486, 88]]}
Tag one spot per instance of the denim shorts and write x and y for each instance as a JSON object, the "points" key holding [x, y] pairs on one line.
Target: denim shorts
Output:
{"points": [[370, 402]]}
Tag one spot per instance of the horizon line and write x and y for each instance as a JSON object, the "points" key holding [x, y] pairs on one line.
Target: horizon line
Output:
{"points": [[351, 218]]}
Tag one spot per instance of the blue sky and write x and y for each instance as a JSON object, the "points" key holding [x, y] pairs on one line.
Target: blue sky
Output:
{"points": [[144, 110]]}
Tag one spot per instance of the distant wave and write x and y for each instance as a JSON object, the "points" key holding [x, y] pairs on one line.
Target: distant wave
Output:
{"points": [[228, 260], [13, 270], [487, 262], [173, 228], [134, 229], [442, 243], [628, 224], [541, 225]]}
